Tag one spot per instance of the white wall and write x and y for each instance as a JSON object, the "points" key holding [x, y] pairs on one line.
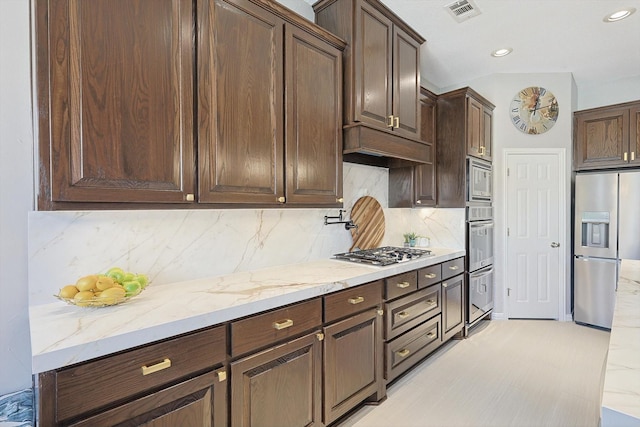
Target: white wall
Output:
{"points": [[16, 193]]}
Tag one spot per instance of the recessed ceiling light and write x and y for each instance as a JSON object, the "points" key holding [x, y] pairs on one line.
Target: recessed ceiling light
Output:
{"points": [[501, 52], [618, 15]]}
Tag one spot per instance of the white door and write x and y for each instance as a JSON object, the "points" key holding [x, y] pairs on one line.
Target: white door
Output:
{"points": [[533, 279]]}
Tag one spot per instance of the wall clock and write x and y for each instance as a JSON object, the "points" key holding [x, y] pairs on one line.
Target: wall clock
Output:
{"points": [[534, 110]]}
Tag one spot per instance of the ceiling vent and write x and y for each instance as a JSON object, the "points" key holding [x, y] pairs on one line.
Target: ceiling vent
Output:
{"points": [[463, 10]]}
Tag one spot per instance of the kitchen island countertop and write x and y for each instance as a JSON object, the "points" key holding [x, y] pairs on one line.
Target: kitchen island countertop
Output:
{"points": [[63, 334], [620, 397]]}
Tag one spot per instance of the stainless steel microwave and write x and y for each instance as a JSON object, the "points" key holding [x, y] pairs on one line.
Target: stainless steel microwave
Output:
{"points": [[479, 181]]}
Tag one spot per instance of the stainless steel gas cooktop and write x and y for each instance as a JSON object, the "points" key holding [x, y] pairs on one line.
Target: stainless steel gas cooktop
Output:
{"points": [[383, 256]]}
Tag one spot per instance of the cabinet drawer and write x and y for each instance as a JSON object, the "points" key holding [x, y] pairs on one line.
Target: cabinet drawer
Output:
{"points": [[101, 382], [401, 284], [277, 325], [350, 301], [429, 275], [407, 312], [452, 268], [408, 349]]}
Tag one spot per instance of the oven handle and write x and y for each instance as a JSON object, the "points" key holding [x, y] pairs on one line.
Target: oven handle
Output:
{"points": [[481, 273], [481, 224]]}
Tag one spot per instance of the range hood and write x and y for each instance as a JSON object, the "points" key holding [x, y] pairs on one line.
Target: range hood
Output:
{"points": [[369, 145]]}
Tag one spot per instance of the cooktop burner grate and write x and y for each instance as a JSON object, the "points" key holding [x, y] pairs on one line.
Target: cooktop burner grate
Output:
{"points": [[386, 255]]}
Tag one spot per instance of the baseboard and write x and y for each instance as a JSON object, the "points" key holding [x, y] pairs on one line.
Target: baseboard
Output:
{"points": [[498, 316]]}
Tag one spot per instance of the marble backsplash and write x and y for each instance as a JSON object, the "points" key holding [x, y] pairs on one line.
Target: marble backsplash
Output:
{"points": [[177, 245]]}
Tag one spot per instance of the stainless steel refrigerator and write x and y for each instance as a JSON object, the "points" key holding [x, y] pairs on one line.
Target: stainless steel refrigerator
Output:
{"points": [[607, 229]]}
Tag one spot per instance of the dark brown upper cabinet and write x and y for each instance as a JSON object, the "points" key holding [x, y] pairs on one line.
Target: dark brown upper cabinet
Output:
{"points": [[121, 83], [607, 137], [464, 128], [415, 186], [115, 91], [382, 79]]}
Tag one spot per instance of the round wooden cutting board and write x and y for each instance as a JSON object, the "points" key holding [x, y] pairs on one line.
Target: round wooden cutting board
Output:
{"points": [[367, 214]]}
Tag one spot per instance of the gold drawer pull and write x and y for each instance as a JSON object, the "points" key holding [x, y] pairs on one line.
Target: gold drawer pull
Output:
{"points": [[146, 370], [633, 155], [403, 285], [431, 302], [445, 284], [356, 300], [625, 156], [431, 334], [403, 314], [430, 276], [396, 120], [404, 352], [453, 267], [283, 324], [222, 375]]}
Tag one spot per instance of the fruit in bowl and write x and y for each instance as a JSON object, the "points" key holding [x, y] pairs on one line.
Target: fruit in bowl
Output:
{"points": [[100, 290]]}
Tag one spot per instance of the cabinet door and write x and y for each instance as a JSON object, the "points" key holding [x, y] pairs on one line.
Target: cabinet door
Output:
{"points": [[487, 132], [452, 306], [475, 121], [601, 138], [373, 68], [240, 109], [279, 387], [353, 363], [425, 175], [634, 136], [406, 83], [313, 148], [198, 402], [115, 91]]}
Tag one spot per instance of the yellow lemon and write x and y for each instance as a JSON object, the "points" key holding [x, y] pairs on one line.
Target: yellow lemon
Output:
{"points": [[112, 295], [68, 291], [87, 283], [104, 282], [83, 298]]}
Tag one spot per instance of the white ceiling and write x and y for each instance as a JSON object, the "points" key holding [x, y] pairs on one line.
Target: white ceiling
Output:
{"points": [[547, 36]]}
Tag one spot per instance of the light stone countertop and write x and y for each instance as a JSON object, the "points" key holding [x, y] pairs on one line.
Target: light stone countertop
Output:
{"points": [[63, 334], [621, 392]]}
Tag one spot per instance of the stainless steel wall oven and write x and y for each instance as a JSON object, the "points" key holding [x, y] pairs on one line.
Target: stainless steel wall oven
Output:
{"points": [[480, 257]]}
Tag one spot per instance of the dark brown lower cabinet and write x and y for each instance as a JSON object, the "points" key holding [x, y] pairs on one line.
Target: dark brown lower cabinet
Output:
{"points": [[452, 306], [198, 402], [280, 386], [353, 363]]}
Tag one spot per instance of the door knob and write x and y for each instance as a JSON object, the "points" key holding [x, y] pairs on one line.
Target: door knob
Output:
{"points": [[555, 245]]}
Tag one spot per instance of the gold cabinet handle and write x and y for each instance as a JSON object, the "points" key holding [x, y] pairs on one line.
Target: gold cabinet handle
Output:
{"points": [[430, 276], [340, 200], [418, 202], [431, 334], [380, 312], [633, 155], [356, 300], [625, 156], [396, 122], [403, 314], [431, 302], [146, 370], [320, 336], [283, 324], [390, 124], [404, 352], [189, 197], [403, 285], [453, 267], [222, 376], [281, 199], [445, 284], [481, 151]]}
